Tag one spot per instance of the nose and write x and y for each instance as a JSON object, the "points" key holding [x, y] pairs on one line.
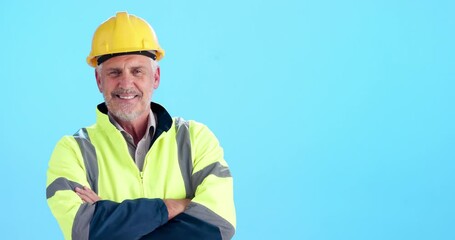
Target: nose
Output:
{"points": [[126, 80]]}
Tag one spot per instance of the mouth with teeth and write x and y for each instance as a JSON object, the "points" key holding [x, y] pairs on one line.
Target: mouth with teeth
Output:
{"points": [[127, 97], [125, 94]]}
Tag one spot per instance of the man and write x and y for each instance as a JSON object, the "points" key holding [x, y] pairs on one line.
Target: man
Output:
{"points": [[137, 173]]}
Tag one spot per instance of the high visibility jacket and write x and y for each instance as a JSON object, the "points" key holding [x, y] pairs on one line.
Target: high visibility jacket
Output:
{"points": [[184, 161]]}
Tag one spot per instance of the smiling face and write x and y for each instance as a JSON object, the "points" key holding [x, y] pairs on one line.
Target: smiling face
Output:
{"points": [[127, 83]]}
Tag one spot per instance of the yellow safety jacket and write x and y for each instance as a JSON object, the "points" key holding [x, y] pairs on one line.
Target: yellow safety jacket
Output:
{"points": [[184, 161]]}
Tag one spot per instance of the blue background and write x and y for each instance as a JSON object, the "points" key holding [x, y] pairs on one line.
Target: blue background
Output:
{"points": [[336, 117]]}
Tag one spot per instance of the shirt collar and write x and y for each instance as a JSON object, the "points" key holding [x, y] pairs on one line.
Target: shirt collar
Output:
{"points": [[151, 125]]}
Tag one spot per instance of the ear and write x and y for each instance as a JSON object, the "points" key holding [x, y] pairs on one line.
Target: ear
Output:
{"points": [[156, 81], [98, 81]]}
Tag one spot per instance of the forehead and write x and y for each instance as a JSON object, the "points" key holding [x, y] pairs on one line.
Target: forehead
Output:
{"points": [[126, 61]]}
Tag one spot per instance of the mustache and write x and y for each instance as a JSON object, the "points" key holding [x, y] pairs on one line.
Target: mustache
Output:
{"points": [[131, 91]]}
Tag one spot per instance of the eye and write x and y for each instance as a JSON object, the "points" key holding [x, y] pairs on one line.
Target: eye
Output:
{"points": [[137, 71], [113, 73]]}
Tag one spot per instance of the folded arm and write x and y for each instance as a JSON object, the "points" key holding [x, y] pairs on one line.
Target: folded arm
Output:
{"points": [[83, 216], [211, 213]]}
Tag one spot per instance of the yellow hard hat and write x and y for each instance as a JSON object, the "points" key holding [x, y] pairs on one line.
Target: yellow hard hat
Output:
{"points": [[124, 34]]}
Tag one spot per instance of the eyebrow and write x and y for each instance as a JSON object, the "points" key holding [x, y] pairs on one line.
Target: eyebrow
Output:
{"points": [[136, 67], [113, 68]]}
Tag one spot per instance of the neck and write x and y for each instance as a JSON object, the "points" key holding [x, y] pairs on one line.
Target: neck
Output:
{"points": [[136, 128]]}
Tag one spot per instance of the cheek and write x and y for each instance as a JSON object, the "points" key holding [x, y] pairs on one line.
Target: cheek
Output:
{"points": [[149, 92], [150, 87], [107, 87], [104, 86]]}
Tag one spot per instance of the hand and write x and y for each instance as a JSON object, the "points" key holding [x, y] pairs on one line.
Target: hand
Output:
{"points": [[87, 195], [176, 206]]}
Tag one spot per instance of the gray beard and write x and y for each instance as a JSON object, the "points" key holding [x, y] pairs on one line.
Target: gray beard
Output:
{"points": [[121, 112]]}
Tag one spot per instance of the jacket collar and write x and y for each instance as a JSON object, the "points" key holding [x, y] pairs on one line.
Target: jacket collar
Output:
{"points": [[164, 120]]}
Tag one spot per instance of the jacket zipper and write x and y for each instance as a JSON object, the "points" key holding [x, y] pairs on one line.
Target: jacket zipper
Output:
{"points": [[141, 176]]}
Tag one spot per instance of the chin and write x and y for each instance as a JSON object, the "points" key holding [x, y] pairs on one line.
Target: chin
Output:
{"points": [[127, 117], [126, 112]]}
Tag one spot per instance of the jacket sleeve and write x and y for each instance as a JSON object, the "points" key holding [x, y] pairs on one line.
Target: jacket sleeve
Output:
{"points": [[213, 200], [66, 171], [184, 226], [103, 220], [130, 219], [211, 213]]}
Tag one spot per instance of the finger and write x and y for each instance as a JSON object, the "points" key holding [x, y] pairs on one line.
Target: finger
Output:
{"points": [[91, 194], [87, 195], [84, 198], [85, 191]]}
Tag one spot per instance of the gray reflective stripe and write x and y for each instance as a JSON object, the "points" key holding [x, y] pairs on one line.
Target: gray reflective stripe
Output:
{"points": [[89, 156], [184, 153], [215, 168], [192, 181], [201, 212], [58, 184], [81, 224]]}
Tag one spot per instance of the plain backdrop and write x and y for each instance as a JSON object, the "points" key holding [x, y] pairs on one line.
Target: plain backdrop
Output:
{"points": [[336, 117]]}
